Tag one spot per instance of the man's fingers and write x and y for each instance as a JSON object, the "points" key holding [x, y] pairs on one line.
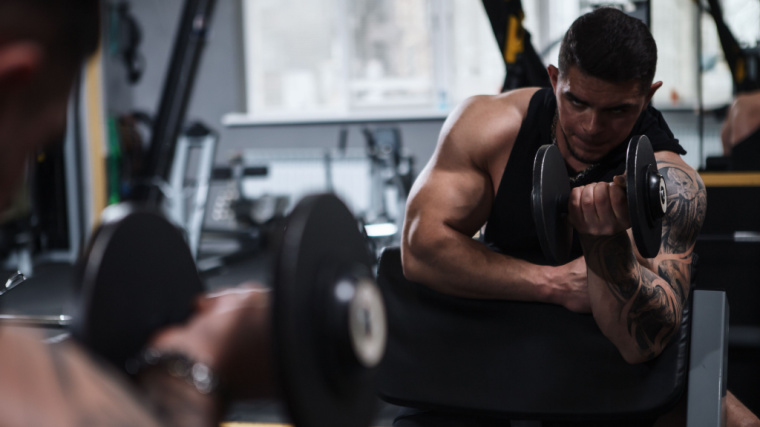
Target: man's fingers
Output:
{"points": [[588, 205], [599, 209], [619, 202]]}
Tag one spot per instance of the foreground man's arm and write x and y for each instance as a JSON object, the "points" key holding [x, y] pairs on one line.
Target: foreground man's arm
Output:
{"points": [[60, 384]]}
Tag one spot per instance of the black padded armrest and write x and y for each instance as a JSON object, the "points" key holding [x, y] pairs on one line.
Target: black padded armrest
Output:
{"points": [[514, 359]]}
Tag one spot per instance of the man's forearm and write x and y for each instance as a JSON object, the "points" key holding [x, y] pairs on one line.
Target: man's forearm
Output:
{"points": [[634, 307], [464, 267], [60, 385]]}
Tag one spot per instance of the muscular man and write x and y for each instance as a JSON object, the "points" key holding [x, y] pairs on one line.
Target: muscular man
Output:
{"points": [[481, 176], [42, 45]]}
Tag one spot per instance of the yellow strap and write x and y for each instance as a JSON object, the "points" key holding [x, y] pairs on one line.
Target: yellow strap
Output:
{"points": [[95, 128], [515, 43], [731, 179]]}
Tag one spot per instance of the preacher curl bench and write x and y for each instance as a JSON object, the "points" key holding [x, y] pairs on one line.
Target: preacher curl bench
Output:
{"points": [[535, 361]]}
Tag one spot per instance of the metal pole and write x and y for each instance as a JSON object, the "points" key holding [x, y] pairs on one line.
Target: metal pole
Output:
{"points": [[186, 53], [700, 100]]}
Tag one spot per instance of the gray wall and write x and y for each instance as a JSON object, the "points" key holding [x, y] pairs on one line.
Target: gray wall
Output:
{"points": [[220, 86]]}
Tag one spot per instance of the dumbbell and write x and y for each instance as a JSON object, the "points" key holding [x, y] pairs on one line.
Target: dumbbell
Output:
{"points": [[646, 193], [327, 318]]}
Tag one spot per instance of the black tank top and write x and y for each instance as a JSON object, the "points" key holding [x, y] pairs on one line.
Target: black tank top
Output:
{"points": [[744, 155], [510, 228]]}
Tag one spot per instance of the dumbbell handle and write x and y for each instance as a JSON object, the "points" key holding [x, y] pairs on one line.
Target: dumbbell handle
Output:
{"points": [[657, 196]]}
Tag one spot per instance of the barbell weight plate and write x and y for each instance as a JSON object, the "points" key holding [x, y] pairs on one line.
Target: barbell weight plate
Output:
{"points": [[329, 320], [640, 165], [136, 276], [549, 196]]}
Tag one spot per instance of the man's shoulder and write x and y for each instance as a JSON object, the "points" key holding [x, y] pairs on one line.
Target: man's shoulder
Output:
{"points": [[671, 158], [486, 122], [511, 102]]}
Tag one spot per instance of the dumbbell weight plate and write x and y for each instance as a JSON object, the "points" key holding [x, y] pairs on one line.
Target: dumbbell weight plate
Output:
{"points": [[329, 320], [549, 196], [647, 197], [136, 276]]}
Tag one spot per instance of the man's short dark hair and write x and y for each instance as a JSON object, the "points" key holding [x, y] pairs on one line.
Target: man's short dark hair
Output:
{"points": [[69, 29], [610, 45]]}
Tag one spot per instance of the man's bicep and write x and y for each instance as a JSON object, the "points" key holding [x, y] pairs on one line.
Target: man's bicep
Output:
{"points": [[687, 203], [452, 194]]}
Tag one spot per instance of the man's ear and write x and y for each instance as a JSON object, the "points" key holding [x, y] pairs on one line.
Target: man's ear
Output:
{"points": [[652, 90], [553, 75], [19, 63]]}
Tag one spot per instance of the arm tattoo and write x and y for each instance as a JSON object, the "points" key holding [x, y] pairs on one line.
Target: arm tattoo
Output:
{"points": [[652, 317], [654, 299], [687, 204], [677, 272], [619, 266]]}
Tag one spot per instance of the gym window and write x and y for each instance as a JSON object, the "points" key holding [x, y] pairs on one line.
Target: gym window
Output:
{"points": [[334, 59], [343, 60]]}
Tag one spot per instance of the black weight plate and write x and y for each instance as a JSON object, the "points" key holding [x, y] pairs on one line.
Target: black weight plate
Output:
{"points": [[549, 195], [136, 276], [640, 165], [321, 244]]}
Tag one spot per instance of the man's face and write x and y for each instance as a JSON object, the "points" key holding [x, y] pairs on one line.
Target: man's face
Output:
{"points": [[595, 116]]}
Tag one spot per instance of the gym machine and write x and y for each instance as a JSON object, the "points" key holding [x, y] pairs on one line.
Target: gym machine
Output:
{"points": [[534, 361]]}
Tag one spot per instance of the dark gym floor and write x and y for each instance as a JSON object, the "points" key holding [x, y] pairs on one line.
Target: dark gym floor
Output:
{"points": [[49, 290]]}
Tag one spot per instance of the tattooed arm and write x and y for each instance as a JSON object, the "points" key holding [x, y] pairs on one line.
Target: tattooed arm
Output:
{"points": [[638, 302]]}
